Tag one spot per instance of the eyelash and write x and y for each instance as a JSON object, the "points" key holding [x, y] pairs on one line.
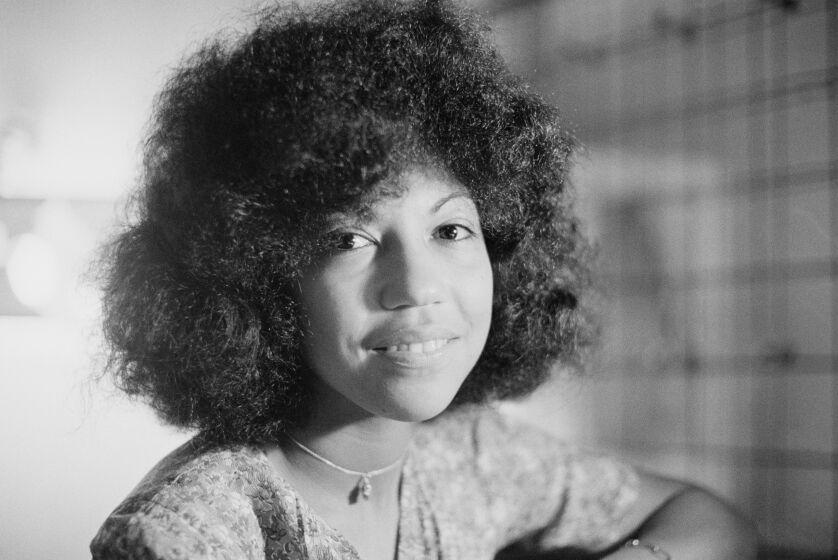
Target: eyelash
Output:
{"points": [[469, 232], [336, 238]]}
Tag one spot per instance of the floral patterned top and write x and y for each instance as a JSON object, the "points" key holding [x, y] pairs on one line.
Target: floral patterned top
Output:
{"points": [[472, 482]]}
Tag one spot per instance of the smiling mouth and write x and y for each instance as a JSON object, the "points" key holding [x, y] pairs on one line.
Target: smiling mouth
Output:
{"points": [[424, 347]]}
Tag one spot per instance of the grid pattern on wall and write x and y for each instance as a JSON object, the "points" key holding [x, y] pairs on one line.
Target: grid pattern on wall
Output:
{"points": [[712, 169]]}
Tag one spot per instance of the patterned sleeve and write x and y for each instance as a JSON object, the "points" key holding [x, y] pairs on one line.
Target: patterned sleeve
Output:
{"points": [[554, 494], [217, 529]]}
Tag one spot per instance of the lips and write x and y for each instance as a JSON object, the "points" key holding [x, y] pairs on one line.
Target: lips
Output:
{"points": [[423, 347], [411, 340]]}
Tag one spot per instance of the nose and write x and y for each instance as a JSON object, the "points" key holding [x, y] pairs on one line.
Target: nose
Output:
{"points": [[411, 277]]}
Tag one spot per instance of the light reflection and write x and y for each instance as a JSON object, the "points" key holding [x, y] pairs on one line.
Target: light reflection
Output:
{"points": [[34, 271], [4, 243]]}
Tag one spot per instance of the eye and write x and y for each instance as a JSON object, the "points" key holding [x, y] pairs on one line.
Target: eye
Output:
{"points": [[454, 232], [347, 241]]}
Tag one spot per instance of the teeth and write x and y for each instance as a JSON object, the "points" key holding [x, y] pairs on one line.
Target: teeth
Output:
{"points": [[419, 347]]}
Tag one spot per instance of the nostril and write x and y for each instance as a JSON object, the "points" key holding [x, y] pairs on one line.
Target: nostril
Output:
{"points": [[412, 289]]}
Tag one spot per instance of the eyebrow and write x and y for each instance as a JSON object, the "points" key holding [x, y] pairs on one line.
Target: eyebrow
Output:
{"points": [[443, 201], [353, 218]]}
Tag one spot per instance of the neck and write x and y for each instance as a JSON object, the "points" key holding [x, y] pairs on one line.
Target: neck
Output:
{"points": [[352, 439], [363, 445]]}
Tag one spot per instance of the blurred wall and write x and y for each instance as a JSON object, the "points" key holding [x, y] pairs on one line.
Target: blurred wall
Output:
{"points": [[709, 177]]}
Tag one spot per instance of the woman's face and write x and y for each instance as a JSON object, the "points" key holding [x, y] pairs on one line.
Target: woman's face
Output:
{"points": [[399, 308]]}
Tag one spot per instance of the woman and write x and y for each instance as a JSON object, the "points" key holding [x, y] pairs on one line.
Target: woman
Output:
{"points": [[352, 220]]}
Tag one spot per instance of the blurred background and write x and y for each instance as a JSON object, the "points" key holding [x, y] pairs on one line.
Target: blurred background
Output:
{"points": [[708, 177]]}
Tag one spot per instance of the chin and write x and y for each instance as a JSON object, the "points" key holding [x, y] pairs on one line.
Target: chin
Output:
{"points": [[415, 407]]}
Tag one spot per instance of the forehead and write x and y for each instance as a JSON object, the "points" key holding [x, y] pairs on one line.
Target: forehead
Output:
{"points": [[424, 190]]}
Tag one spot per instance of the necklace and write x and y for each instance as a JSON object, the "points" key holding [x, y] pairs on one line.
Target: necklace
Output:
{"points": [[364, 485]]}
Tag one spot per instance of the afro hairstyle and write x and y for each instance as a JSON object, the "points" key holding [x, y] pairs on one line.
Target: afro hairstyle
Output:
{"points": [[256, 137]]}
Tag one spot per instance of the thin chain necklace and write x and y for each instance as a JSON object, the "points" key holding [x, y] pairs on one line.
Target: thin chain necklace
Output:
{"points": [[364, 484]]}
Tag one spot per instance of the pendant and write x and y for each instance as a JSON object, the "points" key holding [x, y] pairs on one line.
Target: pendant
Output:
{"points": [[365, 486]]}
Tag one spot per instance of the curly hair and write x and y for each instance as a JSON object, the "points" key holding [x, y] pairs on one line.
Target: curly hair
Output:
{"points": [[256, 138]]}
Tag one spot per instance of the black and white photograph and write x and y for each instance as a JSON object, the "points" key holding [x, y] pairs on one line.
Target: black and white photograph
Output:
{"points": [[419, 279]]}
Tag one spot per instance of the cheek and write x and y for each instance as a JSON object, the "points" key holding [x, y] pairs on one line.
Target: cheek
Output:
{"points": [[478, 294], [318, 306], [487, 297], [332, 314]]}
